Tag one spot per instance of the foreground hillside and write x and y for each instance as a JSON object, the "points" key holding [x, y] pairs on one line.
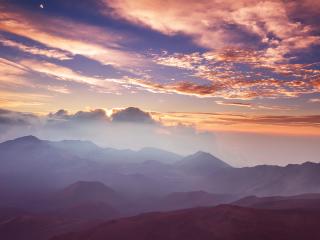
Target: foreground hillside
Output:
{"points": [[224, 222]]}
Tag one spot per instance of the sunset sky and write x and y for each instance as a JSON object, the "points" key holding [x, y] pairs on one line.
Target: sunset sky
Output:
{"points": [[245, 67]]}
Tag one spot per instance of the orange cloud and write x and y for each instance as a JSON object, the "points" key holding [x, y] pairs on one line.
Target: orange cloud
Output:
{"points": [[272, 124], [220, 68], [207, 21], [185, 88]]}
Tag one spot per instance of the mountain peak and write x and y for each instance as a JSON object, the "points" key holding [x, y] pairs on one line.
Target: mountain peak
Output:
{"points": [[202, 153], [22, 140], [83, 191], [205, 157], [201, 163], [28, 138], [88, 186]]}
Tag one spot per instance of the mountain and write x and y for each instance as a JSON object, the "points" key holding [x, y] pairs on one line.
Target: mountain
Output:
{"points": [[84, 191], [224, 222], [10, 212], [304, 201], [201, 163], [77, 147], [88, 211], [85, 149], [30, 165], [155, 154], [40, 227], [183, 200], [267, 180], [87, 200], [41, 167]]}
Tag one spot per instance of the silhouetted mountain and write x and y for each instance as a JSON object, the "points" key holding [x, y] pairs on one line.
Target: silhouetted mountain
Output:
{"points": [[10, 212], [87, 200], [224, 222], [88, 211], [304, 201], [201, 163], [38, 227], [182, 200], [82, 192]]}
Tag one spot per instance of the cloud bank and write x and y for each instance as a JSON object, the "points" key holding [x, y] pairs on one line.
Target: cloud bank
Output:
{"points": [[178, 132]]}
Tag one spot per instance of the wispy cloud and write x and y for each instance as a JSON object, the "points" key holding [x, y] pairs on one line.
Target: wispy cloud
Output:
{"points": [[273, 124], [314, 100], [67, 36], [66, 74], [11, 73], [50, 53], [12, 100]]}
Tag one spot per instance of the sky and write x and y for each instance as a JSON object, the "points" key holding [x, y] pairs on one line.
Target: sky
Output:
{"points": [[239, 79]]}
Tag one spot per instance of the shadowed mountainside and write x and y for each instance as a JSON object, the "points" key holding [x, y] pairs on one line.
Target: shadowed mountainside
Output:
{"points": [[304, 201], [224, 222]]}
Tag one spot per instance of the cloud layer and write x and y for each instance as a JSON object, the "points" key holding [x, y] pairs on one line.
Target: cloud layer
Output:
{"points": [[175, 131]]}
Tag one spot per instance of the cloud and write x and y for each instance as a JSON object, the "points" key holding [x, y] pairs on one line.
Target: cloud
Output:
{"points": [[237, 104], [67, 74], [67, 36], [126, 128], [186, 61], [11, 73], [217, 133], [50, 53], [8, 117], [240, 74], [80, 116], [132, 115], [20, 74], [13, 99], [185, 88], [314, 100], [306, 120], [251, 46], [13, 124], [206, 121], [215, 24]]}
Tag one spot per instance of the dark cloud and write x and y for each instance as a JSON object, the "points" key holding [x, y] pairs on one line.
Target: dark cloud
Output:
{"points": [[93, 115], [133, 115], [97, 114], [59, 114], [13, 118]]}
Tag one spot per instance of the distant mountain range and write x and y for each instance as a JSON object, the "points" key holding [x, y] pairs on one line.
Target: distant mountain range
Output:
{"points": [[28, 164]]}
